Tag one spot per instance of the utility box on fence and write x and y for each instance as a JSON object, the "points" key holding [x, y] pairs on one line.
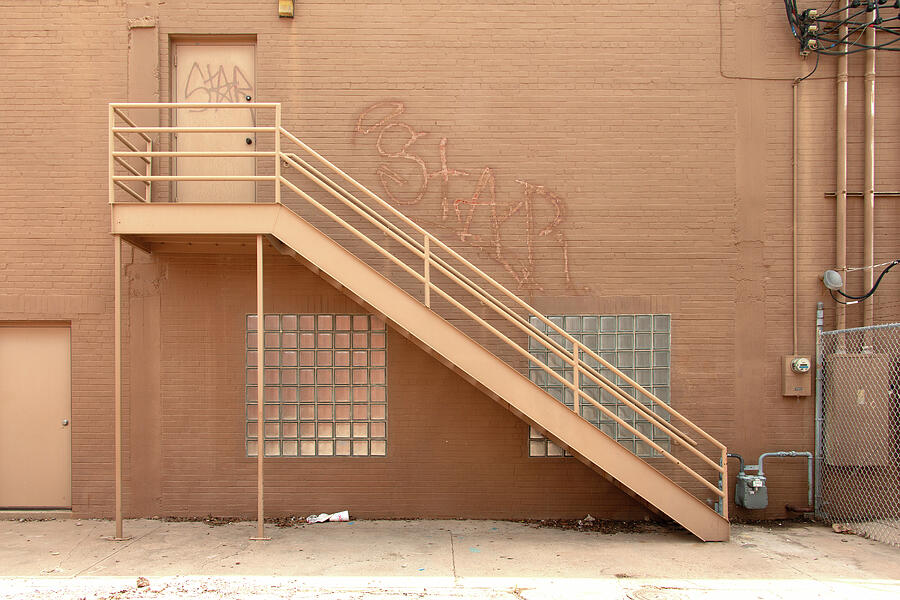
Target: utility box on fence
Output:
{"points": [[858, 420]]}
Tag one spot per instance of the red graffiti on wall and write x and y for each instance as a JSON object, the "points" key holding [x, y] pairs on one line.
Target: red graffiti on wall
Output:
{"points": [[479, 218]]}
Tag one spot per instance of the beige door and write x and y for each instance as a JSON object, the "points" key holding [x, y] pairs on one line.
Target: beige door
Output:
{"points": [[214, 73], [35, 404]]}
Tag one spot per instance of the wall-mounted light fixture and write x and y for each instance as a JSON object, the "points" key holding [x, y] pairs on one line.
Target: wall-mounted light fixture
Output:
{"points": [[286, 8], [832, 280]]}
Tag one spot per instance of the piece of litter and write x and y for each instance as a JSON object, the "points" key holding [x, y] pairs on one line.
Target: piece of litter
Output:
{"points": [[55, 553], [589, 519], [421, 569], [342, 517], [841, 528], [474, 550], [143, 582]]}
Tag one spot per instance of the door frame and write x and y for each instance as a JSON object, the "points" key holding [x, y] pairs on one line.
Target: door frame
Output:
{"points": [[200, 39]]}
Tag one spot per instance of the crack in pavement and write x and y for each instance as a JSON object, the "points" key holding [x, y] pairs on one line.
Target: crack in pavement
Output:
{"points": [[117, 550]]}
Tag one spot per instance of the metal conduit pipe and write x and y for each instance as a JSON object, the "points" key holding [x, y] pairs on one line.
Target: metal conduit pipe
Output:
{"points": [[795, 192], [869, 200], [792, 453], [841, 170]]}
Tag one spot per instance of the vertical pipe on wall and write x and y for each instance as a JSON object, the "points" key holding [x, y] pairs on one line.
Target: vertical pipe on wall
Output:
{"points": [[840, 258], [260, 385], [117, 245], [869, 199], [795, 193]]}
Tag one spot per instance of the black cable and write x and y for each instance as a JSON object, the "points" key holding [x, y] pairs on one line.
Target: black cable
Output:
{"points": [[870, 292], [833, 297], [808, 75]]}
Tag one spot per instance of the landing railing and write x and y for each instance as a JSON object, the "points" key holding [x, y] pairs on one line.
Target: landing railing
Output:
{"points": [[433, 256]]}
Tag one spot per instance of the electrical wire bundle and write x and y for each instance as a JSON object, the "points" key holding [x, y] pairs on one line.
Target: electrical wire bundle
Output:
{"points": [[818, 30], [858, 299]]}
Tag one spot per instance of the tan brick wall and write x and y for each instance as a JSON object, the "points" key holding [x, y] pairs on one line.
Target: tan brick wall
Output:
{"points": [[670, 162]]}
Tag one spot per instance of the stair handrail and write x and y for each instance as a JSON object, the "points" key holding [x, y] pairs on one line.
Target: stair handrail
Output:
{"points": [[505, 291], [414, 246], [673, 433]]}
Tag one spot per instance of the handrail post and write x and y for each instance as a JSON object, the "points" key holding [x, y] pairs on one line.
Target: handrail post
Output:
{"points": [[112, 148], [576, 371], [149, 171], [427, 271], [278, 153]]}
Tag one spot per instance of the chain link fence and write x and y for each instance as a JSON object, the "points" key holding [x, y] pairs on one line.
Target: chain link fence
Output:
{"points": [[858, 425]]}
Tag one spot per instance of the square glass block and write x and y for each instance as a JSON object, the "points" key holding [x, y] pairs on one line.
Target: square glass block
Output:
{"points": [[626, 323], [608, 324], [662, 322], [643, 323]]}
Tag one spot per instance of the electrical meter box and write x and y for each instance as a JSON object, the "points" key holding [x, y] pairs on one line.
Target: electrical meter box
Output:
{"points": [[797, 376], [750, 491]]}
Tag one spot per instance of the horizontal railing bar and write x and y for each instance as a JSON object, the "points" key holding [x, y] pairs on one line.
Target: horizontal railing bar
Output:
{"points": [[246, 129], [515, 346], [524, 305], [130, 191], [125, 118], [194, 178], [129, 145], [498, 306], [188, 154], [194, 104]]}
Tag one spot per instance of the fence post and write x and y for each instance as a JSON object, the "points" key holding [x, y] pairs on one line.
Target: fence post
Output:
{"points": [[820, 364]]}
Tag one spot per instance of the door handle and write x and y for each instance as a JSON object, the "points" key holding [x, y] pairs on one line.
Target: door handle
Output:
{"points": [[65, 422]]}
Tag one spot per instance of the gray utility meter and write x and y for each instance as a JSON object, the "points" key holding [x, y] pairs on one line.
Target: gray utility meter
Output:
{"points": [[750, 491]]}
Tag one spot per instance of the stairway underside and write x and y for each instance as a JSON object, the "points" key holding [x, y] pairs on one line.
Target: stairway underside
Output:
{"points": [[434, 334]]}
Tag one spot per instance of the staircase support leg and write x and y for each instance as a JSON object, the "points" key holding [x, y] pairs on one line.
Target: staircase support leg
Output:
{"points": [[260, 392], [117, 245]]}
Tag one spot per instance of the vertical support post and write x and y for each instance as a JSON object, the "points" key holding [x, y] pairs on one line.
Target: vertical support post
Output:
{"points": [[278, 153], [149, 171], [260, 392], [117, 246], [576, 377], [428, 271], [869, 199], [112, 148]]}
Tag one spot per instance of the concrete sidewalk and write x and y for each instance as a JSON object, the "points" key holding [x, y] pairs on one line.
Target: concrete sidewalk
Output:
{"points": [[435, 559]]}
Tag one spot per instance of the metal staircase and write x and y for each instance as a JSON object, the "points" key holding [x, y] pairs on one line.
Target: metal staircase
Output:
{"points": [[429, 293]]}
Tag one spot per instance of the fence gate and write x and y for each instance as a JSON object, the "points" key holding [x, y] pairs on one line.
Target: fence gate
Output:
{"points": [[858, 445]]}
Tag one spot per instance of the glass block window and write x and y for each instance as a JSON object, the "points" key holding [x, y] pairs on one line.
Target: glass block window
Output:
{"points": [[325, 387], [638, 345]]}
